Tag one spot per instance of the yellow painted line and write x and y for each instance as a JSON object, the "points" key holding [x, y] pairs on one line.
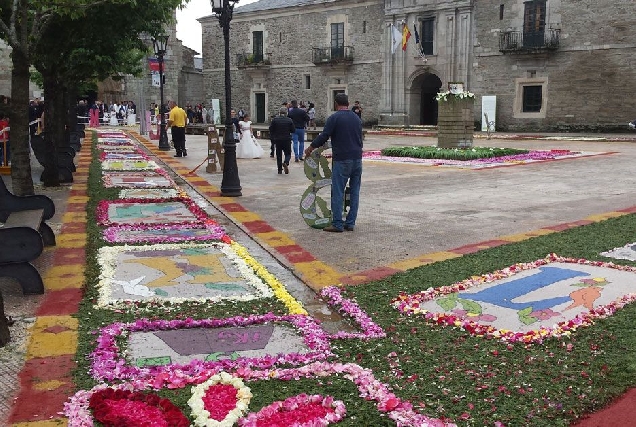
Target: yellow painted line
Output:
{"points": [[317, 274], [71, 240], [48, 385], [245, 216], [223, 200], [78, 199], [60, 422], [604, 216], [515, 237], [59, 283], [276, 238], [74, 217], [423, 260], [49, 344], [540, 232]]}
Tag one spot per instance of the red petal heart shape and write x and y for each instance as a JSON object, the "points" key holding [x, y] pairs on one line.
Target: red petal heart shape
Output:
{"points": [[219, 400], [135, 409]]}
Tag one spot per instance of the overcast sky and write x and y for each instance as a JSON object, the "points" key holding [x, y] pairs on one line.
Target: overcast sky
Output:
{"points": [[188, 28]]}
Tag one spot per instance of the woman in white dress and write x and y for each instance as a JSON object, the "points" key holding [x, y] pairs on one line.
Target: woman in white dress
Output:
{"points": [[248, 147]]}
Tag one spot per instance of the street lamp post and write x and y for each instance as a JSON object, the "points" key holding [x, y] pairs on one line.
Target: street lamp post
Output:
{"points": [[231, 184], [160, 44]]}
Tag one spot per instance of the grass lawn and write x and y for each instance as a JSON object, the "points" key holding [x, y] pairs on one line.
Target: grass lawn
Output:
{"points": [[443, 371]]}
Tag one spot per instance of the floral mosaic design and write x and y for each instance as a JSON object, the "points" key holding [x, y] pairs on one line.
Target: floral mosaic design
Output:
{"points": [[527, 302], [110, 361], [150, 193], [155, 179], [512, 160], [129, 165], [150, 211], [173, 273], [369, 388]]}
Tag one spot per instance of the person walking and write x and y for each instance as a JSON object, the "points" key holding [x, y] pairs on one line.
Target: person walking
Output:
{"points": [[344, 127], [248, 147], [281, 129], [300, 118], [177, 120], [357, 109]]}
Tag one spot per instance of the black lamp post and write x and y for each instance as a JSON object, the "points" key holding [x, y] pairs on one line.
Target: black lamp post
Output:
{"points": [[231, 184], [160, 44]]}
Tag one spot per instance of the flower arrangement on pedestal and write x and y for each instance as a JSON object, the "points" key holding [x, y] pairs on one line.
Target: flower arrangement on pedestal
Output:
{"points": [[452, 96]]}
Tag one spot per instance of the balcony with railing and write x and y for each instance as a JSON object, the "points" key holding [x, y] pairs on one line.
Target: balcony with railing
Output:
{"points": [[251, 60], [332, 55], [529, 42]]}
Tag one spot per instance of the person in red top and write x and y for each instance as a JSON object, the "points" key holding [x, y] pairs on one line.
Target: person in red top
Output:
{"points": [[4, 136]]}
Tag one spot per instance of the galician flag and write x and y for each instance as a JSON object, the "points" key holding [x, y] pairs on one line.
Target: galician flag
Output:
{"points": [[406, 34], [397, 38]]}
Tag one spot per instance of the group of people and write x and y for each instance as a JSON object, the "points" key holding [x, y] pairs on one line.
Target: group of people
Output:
{"points": [[344, 128]]}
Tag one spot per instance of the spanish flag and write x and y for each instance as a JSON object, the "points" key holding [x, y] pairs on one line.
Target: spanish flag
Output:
{"points": [[406, 34]]}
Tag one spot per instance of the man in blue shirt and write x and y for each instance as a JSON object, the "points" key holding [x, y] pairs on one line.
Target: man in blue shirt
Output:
{"points": [[344, 127]]}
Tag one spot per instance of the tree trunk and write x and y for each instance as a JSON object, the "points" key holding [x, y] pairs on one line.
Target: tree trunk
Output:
{"points": [[53, 126], [19, 139], [5, 336]]}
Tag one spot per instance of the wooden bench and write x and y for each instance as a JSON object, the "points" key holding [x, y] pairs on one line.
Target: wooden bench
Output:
{"points": [[23, 234]]}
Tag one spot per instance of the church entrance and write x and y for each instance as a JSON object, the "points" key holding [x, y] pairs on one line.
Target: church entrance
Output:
{"points": [[430, 85]]}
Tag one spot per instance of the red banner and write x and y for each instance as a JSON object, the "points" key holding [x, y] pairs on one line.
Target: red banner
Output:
{"points": [[153, 63]]}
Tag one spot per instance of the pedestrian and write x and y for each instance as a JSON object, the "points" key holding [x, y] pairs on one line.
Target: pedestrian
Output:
{"points": [[235, 125], [312, 115], [357, 109], [177, 122], [248, 147], [299, 117], [281, 129], [344, 127]]}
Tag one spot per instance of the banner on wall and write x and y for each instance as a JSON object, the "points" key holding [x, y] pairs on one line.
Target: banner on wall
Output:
{"points": [[488, 112]]}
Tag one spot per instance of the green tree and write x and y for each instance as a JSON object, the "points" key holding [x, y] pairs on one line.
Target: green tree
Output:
{"points": [[24, 25]]}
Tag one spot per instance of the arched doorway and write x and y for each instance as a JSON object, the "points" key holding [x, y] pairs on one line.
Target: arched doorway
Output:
{"points": [[429, 87]]}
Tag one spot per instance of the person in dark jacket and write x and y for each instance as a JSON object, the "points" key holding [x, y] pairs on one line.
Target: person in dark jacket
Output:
{"points": [[300, 118], [344, 127], [280, 131]]}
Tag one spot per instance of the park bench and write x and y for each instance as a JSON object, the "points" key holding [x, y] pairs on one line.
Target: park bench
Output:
{"points": [[24, 233]]}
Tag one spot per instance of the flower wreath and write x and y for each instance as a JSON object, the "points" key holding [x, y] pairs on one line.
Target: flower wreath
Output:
{"points": [[220, 401]]}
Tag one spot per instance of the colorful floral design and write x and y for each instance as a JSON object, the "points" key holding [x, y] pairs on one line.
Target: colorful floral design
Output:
{"points": [[349, 308], [369, 388], [302, 411], [109, 361], [410, 305], [104, 219], [127, 233], [219, 401], [127, 408]]}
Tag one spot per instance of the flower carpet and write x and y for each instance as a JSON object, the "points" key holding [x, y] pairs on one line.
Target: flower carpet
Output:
{"points": [[528, 302], [486, 163], [182, 325], [162, 251]]}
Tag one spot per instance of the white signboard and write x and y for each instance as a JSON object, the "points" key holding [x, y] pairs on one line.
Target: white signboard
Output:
{"points": [[216, 111], [488, 112], [155, 79]]}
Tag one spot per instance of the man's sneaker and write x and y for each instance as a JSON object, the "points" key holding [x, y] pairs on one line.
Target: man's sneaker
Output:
{"points": [[332, 229], [348, 228], [286, 168]]}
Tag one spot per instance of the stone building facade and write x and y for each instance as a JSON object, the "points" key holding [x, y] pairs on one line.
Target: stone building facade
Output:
{"points": [[556, 64], [547, 64], [282, 51]]}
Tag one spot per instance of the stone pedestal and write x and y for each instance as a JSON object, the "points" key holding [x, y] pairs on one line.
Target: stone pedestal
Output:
{"points": [[455, 123]]}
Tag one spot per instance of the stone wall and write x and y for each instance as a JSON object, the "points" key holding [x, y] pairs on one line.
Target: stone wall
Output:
{"points": [[289, 37], [585, 80]]}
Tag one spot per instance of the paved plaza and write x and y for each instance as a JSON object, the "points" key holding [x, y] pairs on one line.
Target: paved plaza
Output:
{"points": [[411, 214]]}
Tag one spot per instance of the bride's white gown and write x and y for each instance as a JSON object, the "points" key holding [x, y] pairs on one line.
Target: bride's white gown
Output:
{"points": [[248, 147]]}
